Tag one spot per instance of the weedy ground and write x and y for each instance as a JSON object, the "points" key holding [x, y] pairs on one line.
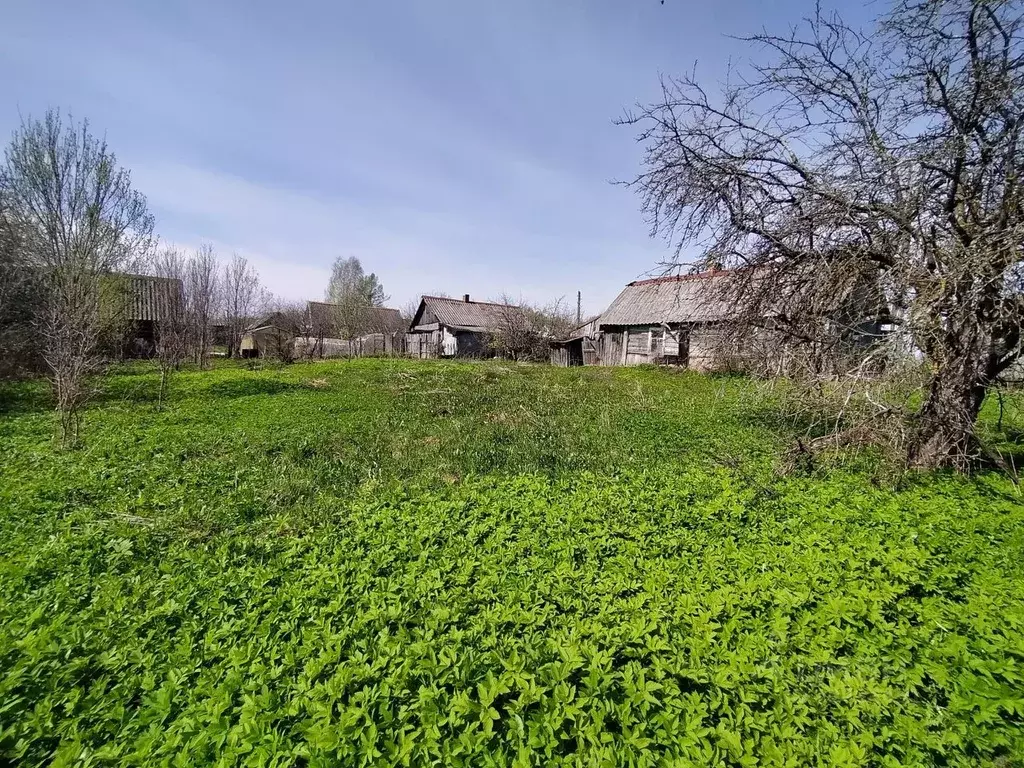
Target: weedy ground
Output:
{"points": [[409, 563]]}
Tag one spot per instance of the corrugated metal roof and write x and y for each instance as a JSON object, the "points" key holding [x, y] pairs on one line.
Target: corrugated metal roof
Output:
{"points": [[673, 299], [151, 298], [378, 319], [467, 315]]}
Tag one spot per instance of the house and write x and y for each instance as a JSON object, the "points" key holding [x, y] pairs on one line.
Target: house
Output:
{"points": [[334, 321], [671, 319], [674, 319], [446, 327], [685, 320]]}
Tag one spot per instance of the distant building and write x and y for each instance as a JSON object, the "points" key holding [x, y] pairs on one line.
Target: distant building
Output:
{"points": [[272, 335], [320, 331], [445, 327], [143, 302]]}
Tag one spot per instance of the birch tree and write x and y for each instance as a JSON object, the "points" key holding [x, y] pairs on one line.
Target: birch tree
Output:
{"points": [[172, 326]]}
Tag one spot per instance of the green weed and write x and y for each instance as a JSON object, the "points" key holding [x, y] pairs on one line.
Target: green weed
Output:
{"points": [[380, 562]]}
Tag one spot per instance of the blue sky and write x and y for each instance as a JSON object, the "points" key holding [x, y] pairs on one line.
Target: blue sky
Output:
{"points": [[463, 146]]}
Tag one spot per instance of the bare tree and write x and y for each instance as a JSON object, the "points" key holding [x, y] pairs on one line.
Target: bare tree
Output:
{"points": [[241, 293], [409, 310], [525, 331], [172, 324], [886, 163], [202, 295], [79, 220], [289, 321]]}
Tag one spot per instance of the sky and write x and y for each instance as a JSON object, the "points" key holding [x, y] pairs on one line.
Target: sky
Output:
{"points": [[456, 146]]}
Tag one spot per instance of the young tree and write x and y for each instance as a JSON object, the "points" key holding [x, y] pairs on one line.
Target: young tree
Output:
{"points": [[890, 160], [241, 293], [353, 294], [79, 220], [172, 326], [202, 296]]}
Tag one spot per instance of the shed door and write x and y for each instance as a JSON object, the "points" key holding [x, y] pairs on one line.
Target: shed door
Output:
{"points": [[449, 343]]}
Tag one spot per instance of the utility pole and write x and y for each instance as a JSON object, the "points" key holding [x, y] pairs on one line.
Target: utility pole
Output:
{"points": [[579, 305]]}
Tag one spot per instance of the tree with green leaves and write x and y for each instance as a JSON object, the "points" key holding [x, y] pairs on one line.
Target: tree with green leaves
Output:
{"points": [[354, 294]]}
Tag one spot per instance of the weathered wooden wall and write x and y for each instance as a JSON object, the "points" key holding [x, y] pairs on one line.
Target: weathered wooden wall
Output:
{"points": [[637, 345]]}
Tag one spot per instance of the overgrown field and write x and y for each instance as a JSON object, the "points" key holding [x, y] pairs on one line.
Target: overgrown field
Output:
{"points": [[399, 563]]}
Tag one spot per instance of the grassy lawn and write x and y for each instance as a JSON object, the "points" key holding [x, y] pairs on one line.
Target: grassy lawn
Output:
{"points": [[411, 563]]}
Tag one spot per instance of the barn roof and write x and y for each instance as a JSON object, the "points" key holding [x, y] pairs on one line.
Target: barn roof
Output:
{"points": [[378, 320], [151, 298], [461, 314], [671, 299]]}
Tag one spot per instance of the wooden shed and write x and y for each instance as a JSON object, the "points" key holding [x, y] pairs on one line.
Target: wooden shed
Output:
{"points": [[580, 347], [143, 302]]}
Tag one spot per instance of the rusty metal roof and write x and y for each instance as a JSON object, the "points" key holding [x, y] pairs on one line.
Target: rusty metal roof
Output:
{"points": [[672, 299]]}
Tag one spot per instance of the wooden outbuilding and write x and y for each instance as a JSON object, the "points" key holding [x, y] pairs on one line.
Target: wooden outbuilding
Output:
{"points": [[143, 301], [580, 347]]}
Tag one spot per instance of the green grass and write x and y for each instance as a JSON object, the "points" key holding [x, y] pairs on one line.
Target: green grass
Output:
{"points": [[393, 562]]}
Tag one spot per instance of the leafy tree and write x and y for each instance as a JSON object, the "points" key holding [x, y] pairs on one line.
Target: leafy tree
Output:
{"points": [[354, 294]]}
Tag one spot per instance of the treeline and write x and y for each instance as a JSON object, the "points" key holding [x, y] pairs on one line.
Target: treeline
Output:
{"points": [[74, 237]]}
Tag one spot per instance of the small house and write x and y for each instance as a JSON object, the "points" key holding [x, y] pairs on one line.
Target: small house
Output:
{"points": [[674, 319], [446, 327], [689, 320]]}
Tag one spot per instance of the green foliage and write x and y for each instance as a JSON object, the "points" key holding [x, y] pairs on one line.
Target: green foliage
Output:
{"points": [[394, 563]]}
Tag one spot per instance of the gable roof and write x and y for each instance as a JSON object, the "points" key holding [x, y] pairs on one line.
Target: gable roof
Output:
{"points": [[377, 320], [672, 299], [461, 314], [277, 320]]}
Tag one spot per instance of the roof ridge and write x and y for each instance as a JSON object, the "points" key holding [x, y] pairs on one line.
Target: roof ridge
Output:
{"points": [[683, 278], [471, 301], [332, 304]]}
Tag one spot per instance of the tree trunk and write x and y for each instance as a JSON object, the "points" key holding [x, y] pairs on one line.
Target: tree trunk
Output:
{"points": [[944, 435]]}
